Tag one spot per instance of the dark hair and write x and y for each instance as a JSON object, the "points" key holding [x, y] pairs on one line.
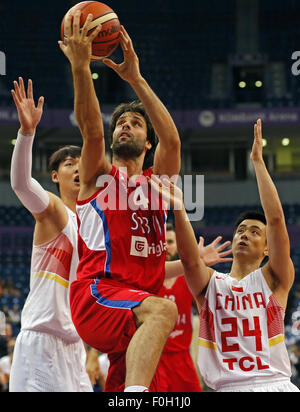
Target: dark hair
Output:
{"points": [[137, 107], [60, 155], [250, 214], [170, 227]]}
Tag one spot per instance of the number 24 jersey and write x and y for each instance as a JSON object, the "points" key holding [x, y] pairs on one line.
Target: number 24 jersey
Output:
{"points": [[241, 339]]}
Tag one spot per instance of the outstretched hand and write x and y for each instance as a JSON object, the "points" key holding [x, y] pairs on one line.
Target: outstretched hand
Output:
{"points": [[257, 147], [129, 69], [213, 253], [29, 114], [170, 193], [77, 46]]}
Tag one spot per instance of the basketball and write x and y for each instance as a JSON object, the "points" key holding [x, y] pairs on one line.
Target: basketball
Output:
{"points": [[109, 36]]}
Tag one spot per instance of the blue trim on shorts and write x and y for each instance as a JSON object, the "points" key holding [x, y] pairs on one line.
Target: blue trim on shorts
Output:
{"points": [[117, 304], [106, 236]]}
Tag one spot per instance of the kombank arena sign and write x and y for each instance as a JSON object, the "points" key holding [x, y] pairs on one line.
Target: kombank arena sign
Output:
{"points": [[185, 119], [231, 118]]}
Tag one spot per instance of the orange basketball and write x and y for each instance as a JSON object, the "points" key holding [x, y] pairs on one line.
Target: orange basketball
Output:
{"points": [[109, 36]]}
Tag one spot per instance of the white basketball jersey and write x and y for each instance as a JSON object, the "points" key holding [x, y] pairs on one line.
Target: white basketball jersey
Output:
{"points": [[241, 338], [53, 268]]}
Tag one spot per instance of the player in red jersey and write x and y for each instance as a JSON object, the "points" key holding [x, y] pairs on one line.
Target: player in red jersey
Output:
{"points": [[176, 371], [121, 237]]}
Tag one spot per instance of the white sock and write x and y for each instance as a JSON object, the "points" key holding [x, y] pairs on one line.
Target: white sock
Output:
{"points": [[136, 389]]}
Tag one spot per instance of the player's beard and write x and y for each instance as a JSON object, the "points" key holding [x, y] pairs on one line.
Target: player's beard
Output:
{"points": [[129, 149], [170, 258]]}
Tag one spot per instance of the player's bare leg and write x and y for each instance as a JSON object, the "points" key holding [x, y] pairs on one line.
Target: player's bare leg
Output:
{"points": [[155, 319]]}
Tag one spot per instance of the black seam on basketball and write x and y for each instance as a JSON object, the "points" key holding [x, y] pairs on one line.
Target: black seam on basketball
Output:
{"points": [[102, 24], [117, 36], [97, 42], [100, 55], [105, 41], [83, 8], [114, 18]]}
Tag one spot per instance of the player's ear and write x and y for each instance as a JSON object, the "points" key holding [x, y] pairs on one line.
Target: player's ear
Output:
{"points": [[148, 145], [54, 176], [266, 251]]}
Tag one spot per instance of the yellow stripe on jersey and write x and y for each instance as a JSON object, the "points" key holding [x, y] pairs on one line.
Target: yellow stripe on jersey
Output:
{"points": [[276, 340], [52, 276], [207, 344]]}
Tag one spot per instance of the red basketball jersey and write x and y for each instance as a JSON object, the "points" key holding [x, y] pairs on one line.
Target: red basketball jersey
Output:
{"points": [[122, 232], [181, 336]]}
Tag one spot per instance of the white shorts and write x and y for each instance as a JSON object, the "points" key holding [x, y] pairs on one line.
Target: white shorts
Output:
{"points": [[46, 363], [282, 385]]}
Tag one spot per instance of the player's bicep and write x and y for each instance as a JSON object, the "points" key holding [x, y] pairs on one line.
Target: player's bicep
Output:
{"points": [[55, 210], [50, 222], [93, 160], [197, 278], [167, 160], [279, 264]]}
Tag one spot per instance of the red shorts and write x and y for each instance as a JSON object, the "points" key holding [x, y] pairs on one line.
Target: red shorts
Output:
{"points": [[102, 313], [176, 373]]}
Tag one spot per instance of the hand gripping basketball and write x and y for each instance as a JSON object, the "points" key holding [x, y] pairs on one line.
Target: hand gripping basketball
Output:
{"points": [[91, 17]]}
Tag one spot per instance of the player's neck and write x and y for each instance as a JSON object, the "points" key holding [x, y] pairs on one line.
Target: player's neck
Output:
{"points": [[133, 166], [241, 268], [168, 283], [69, 201]]}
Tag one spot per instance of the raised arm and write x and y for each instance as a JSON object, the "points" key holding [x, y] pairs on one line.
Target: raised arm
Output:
{"points": [[28, 190], [167, 155], [279, 271], [211, 254], [196, 273], [78, 49], [44, 206]]}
